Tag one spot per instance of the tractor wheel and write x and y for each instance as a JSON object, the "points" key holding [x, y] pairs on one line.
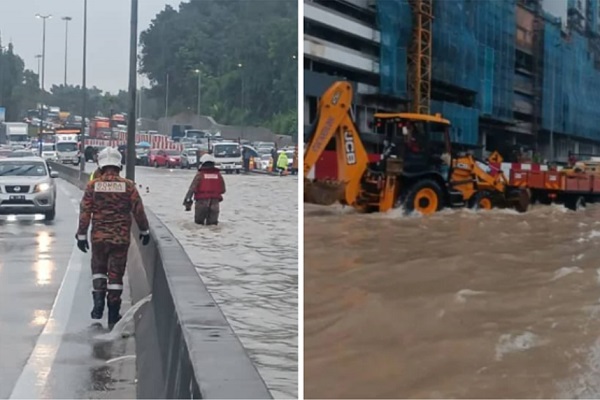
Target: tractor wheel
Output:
{"points": [[481, 201], [424, 197]]}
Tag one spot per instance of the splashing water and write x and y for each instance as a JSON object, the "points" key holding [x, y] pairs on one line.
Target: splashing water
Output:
{"points": [[119, 327]]}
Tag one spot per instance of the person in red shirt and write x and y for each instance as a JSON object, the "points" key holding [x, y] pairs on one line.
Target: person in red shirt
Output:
{"points": [[207, 190]]}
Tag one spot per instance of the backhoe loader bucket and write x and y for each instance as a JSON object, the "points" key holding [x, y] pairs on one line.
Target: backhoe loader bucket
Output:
{"points": [[518, 198], [325, 193]]}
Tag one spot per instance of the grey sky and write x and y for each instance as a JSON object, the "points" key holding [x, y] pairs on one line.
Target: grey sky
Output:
{"points": [[108, 37]]}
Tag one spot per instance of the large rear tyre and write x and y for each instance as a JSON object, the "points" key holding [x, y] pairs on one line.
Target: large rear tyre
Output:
{"points": [[424, 197]]}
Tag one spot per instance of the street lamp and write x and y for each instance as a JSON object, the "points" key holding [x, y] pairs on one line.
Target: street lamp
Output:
{"points": [[66, 19], [197, 71], [44, 18]]}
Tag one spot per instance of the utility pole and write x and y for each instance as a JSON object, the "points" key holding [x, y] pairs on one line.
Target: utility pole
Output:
{"points": [[66, 19], [84, 90], [131, 125], [44, 18]]}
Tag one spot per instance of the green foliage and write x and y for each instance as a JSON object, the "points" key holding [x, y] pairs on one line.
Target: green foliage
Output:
{"points": [[246, 52]]}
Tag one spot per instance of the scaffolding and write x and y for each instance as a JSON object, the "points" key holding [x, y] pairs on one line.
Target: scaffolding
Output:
{"points": [[570, 74]]}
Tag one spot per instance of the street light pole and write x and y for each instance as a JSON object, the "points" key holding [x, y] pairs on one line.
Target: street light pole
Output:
{"points": [[199, 76], [167, 97], [44, 18], [130, 160], [66, 19], [84, 92], [241, 66], [39, 58]]}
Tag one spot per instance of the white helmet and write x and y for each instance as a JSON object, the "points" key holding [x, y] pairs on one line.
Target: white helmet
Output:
{"points": [[109, 157], [207, 158]]}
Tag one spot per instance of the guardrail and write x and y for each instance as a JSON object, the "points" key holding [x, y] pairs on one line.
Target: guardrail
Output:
{"points": [[185, 348]]}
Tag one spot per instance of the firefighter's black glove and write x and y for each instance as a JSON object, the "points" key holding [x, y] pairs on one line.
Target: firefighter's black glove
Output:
{"points": [[145, 238], [82, 244]]}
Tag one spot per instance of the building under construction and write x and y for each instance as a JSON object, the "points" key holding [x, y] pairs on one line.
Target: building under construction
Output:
{"points": [[507, 73]]}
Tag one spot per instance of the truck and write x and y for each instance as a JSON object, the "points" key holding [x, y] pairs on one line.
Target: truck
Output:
{"points": [[14, 133], [100, 128]]}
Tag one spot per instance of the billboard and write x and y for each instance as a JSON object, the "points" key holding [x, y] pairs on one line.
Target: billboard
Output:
{"points": [[2, 114]]}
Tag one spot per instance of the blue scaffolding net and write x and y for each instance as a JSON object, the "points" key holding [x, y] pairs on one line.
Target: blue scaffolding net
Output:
{"points": [[473, 51], [571, 85]]}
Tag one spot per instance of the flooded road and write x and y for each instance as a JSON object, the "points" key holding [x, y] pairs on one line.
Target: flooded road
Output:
{"points": [[461, 304], [249, 262]]}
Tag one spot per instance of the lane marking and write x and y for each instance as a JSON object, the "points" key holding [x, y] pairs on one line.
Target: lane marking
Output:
{"points": [[34, 377]]}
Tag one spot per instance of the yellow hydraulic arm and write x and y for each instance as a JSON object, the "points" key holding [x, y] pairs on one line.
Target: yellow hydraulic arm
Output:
{"points": [[334, 121]]}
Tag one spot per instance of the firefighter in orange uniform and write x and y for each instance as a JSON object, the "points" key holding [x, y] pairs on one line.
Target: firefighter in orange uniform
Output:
{"points": [[207, 189], [108, 203]]}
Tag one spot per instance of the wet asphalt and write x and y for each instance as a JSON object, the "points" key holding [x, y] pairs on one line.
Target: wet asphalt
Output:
{"points": [[46, 353]]}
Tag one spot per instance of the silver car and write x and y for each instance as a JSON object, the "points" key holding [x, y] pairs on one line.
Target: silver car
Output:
{"points": [[27, 186]]}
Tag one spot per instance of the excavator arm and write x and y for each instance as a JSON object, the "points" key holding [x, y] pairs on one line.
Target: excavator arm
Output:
{"points": [[334, 121]]}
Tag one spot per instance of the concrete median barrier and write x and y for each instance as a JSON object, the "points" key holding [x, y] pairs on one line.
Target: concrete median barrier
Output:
{"points": [[185, 347]]}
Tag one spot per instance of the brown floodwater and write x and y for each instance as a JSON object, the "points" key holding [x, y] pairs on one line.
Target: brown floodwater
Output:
{"points": [[462, 304]]}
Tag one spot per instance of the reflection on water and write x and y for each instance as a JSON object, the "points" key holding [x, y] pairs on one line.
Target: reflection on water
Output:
{"points": [[249, 262], [457, 305], [40, 317]]}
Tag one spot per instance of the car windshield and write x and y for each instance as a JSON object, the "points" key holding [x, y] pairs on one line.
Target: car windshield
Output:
{"points": [[191, 152], [142, 150], [266, 157], [48, 147], [66, 147], [21, 168], [227, 151], [172, 152]]}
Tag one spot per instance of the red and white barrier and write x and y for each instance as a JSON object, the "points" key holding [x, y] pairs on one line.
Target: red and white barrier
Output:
{"points": [[156, 141]]}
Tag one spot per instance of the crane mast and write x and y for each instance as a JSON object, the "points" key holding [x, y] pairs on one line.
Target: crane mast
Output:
{"points": [[419, 68]]}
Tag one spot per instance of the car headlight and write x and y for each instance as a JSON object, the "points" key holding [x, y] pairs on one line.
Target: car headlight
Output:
{"points": [[42, 187]]}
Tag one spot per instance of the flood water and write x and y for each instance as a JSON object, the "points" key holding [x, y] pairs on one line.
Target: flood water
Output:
{"points": [[249, 262], [492, 304]]}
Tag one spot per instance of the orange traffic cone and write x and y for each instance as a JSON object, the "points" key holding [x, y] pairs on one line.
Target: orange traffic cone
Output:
{"points": [[251, 166]]}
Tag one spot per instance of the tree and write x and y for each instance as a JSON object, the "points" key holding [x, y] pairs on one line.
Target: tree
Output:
{"points": [[246, 52]]}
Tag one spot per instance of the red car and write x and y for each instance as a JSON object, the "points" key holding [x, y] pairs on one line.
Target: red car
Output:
{"points": [[164, 158]]}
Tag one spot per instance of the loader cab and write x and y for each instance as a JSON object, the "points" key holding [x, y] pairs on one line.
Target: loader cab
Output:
{"points": [[418, 140]]}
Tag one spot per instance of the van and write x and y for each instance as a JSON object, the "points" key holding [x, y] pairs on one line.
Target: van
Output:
{"points": [[68, 152], [228, 156]]}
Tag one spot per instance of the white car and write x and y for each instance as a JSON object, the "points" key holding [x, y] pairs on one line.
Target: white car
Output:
{"points": [[49, 152], [27, 187]]}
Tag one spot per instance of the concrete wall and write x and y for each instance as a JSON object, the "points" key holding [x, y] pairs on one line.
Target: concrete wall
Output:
{"points": [[185, 348]]}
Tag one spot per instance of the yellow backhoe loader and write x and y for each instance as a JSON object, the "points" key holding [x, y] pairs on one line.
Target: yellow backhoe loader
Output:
{"points": [[418, 170]]}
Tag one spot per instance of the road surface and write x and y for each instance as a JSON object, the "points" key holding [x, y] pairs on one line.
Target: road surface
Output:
{"points": [[47, 340]]}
